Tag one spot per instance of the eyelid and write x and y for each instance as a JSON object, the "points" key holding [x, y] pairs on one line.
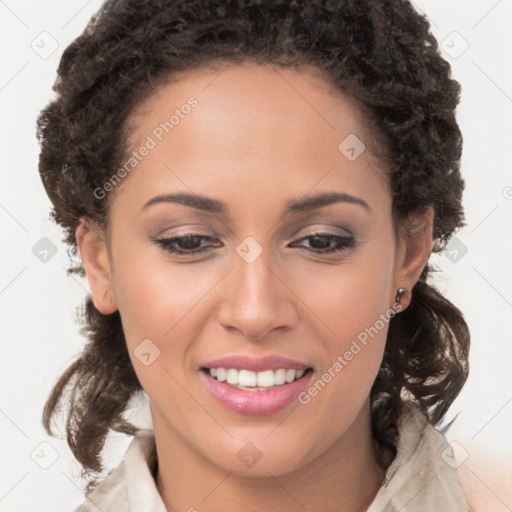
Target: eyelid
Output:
{"points": [[311, 230], [168, 244], [185, 230], [322, 228]]}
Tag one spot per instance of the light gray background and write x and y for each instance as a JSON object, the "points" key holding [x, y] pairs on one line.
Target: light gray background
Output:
{"points": [[38, 301]]}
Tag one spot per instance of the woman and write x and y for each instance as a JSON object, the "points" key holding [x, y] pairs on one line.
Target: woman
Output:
{"points": [[254, 190]]}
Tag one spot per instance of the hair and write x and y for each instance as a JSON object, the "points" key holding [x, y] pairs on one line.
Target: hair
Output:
{"points": [[380, 53]]}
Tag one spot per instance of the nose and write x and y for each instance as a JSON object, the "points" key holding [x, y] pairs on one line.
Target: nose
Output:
{"points": [[256, 299]]}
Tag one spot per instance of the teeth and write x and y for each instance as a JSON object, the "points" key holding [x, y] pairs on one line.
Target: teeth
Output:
{"points": [[280, 377], [244, 379], [265, 379], [232, 376]]}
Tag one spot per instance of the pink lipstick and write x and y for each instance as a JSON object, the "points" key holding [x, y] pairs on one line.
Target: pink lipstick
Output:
{"points": [[253, 386]]}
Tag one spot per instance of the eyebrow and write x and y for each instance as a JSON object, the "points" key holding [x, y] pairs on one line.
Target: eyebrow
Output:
{"points": [[210, 205]]}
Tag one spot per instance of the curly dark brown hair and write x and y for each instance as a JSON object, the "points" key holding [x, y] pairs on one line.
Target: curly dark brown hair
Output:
{"points": [[380, 53]]}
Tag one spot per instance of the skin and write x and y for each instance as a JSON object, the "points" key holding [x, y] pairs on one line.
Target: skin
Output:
{"points": [[259, 137]]}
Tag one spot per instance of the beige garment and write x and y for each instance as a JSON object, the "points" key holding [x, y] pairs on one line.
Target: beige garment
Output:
{"points": [[423, 475], [421, 478]]}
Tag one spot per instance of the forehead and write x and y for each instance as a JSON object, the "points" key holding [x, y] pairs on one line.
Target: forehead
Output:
{"points": [[256, 90], [252, 127]]}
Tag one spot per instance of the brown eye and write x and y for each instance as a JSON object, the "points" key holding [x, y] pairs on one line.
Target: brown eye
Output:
{"points": [[324, 243], [183, 245]]}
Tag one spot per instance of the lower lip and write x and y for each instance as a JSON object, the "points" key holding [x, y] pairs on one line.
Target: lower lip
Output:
{"points": [[265, 401]]}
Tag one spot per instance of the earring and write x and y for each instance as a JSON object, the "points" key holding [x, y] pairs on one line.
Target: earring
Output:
{"points": [[399, 294]]}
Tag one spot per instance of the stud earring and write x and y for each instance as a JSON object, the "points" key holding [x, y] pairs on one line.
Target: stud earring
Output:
{"points": [[399, 294]]}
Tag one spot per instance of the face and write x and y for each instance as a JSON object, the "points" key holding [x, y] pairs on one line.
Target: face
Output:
{"points": [[305, 287]]}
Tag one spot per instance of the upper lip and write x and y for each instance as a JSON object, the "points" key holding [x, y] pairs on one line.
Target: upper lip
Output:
{"points": [[244, 362]]}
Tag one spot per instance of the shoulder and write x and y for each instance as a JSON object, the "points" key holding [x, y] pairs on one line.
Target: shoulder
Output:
{"points": [[422, 475], [130, 487], [110, 494]]}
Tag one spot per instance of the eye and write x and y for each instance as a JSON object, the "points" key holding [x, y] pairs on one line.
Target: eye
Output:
{"points": [[183, 245], [321, 243], [190, 244]]}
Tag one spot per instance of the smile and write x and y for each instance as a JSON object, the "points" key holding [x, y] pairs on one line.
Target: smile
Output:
{"points": [[249, 380], [255, 393]]}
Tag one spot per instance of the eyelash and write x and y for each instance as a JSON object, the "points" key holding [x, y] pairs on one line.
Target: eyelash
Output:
{"points": [[345, 242]]}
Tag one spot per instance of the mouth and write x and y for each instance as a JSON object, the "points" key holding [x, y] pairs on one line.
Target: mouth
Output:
{"points": [[249, 380], [255, 393]]}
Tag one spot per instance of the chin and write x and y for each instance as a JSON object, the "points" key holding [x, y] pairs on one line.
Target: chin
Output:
{"points": [[263, 457]]}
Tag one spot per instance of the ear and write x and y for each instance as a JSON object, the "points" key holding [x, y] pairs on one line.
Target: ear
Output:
{"points": [[93, 252], [414, 249]]}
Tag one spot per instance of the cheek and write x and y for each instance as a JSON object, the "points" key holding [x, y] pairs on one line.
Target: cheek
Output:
{"points": [[348, 297], [152, 293], [351, 308], [355, 327], [156, 302]]}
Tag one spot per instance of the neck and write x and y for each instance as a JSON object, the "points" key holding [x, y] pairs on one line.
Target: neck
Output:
{"points": [[345, 478]]}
